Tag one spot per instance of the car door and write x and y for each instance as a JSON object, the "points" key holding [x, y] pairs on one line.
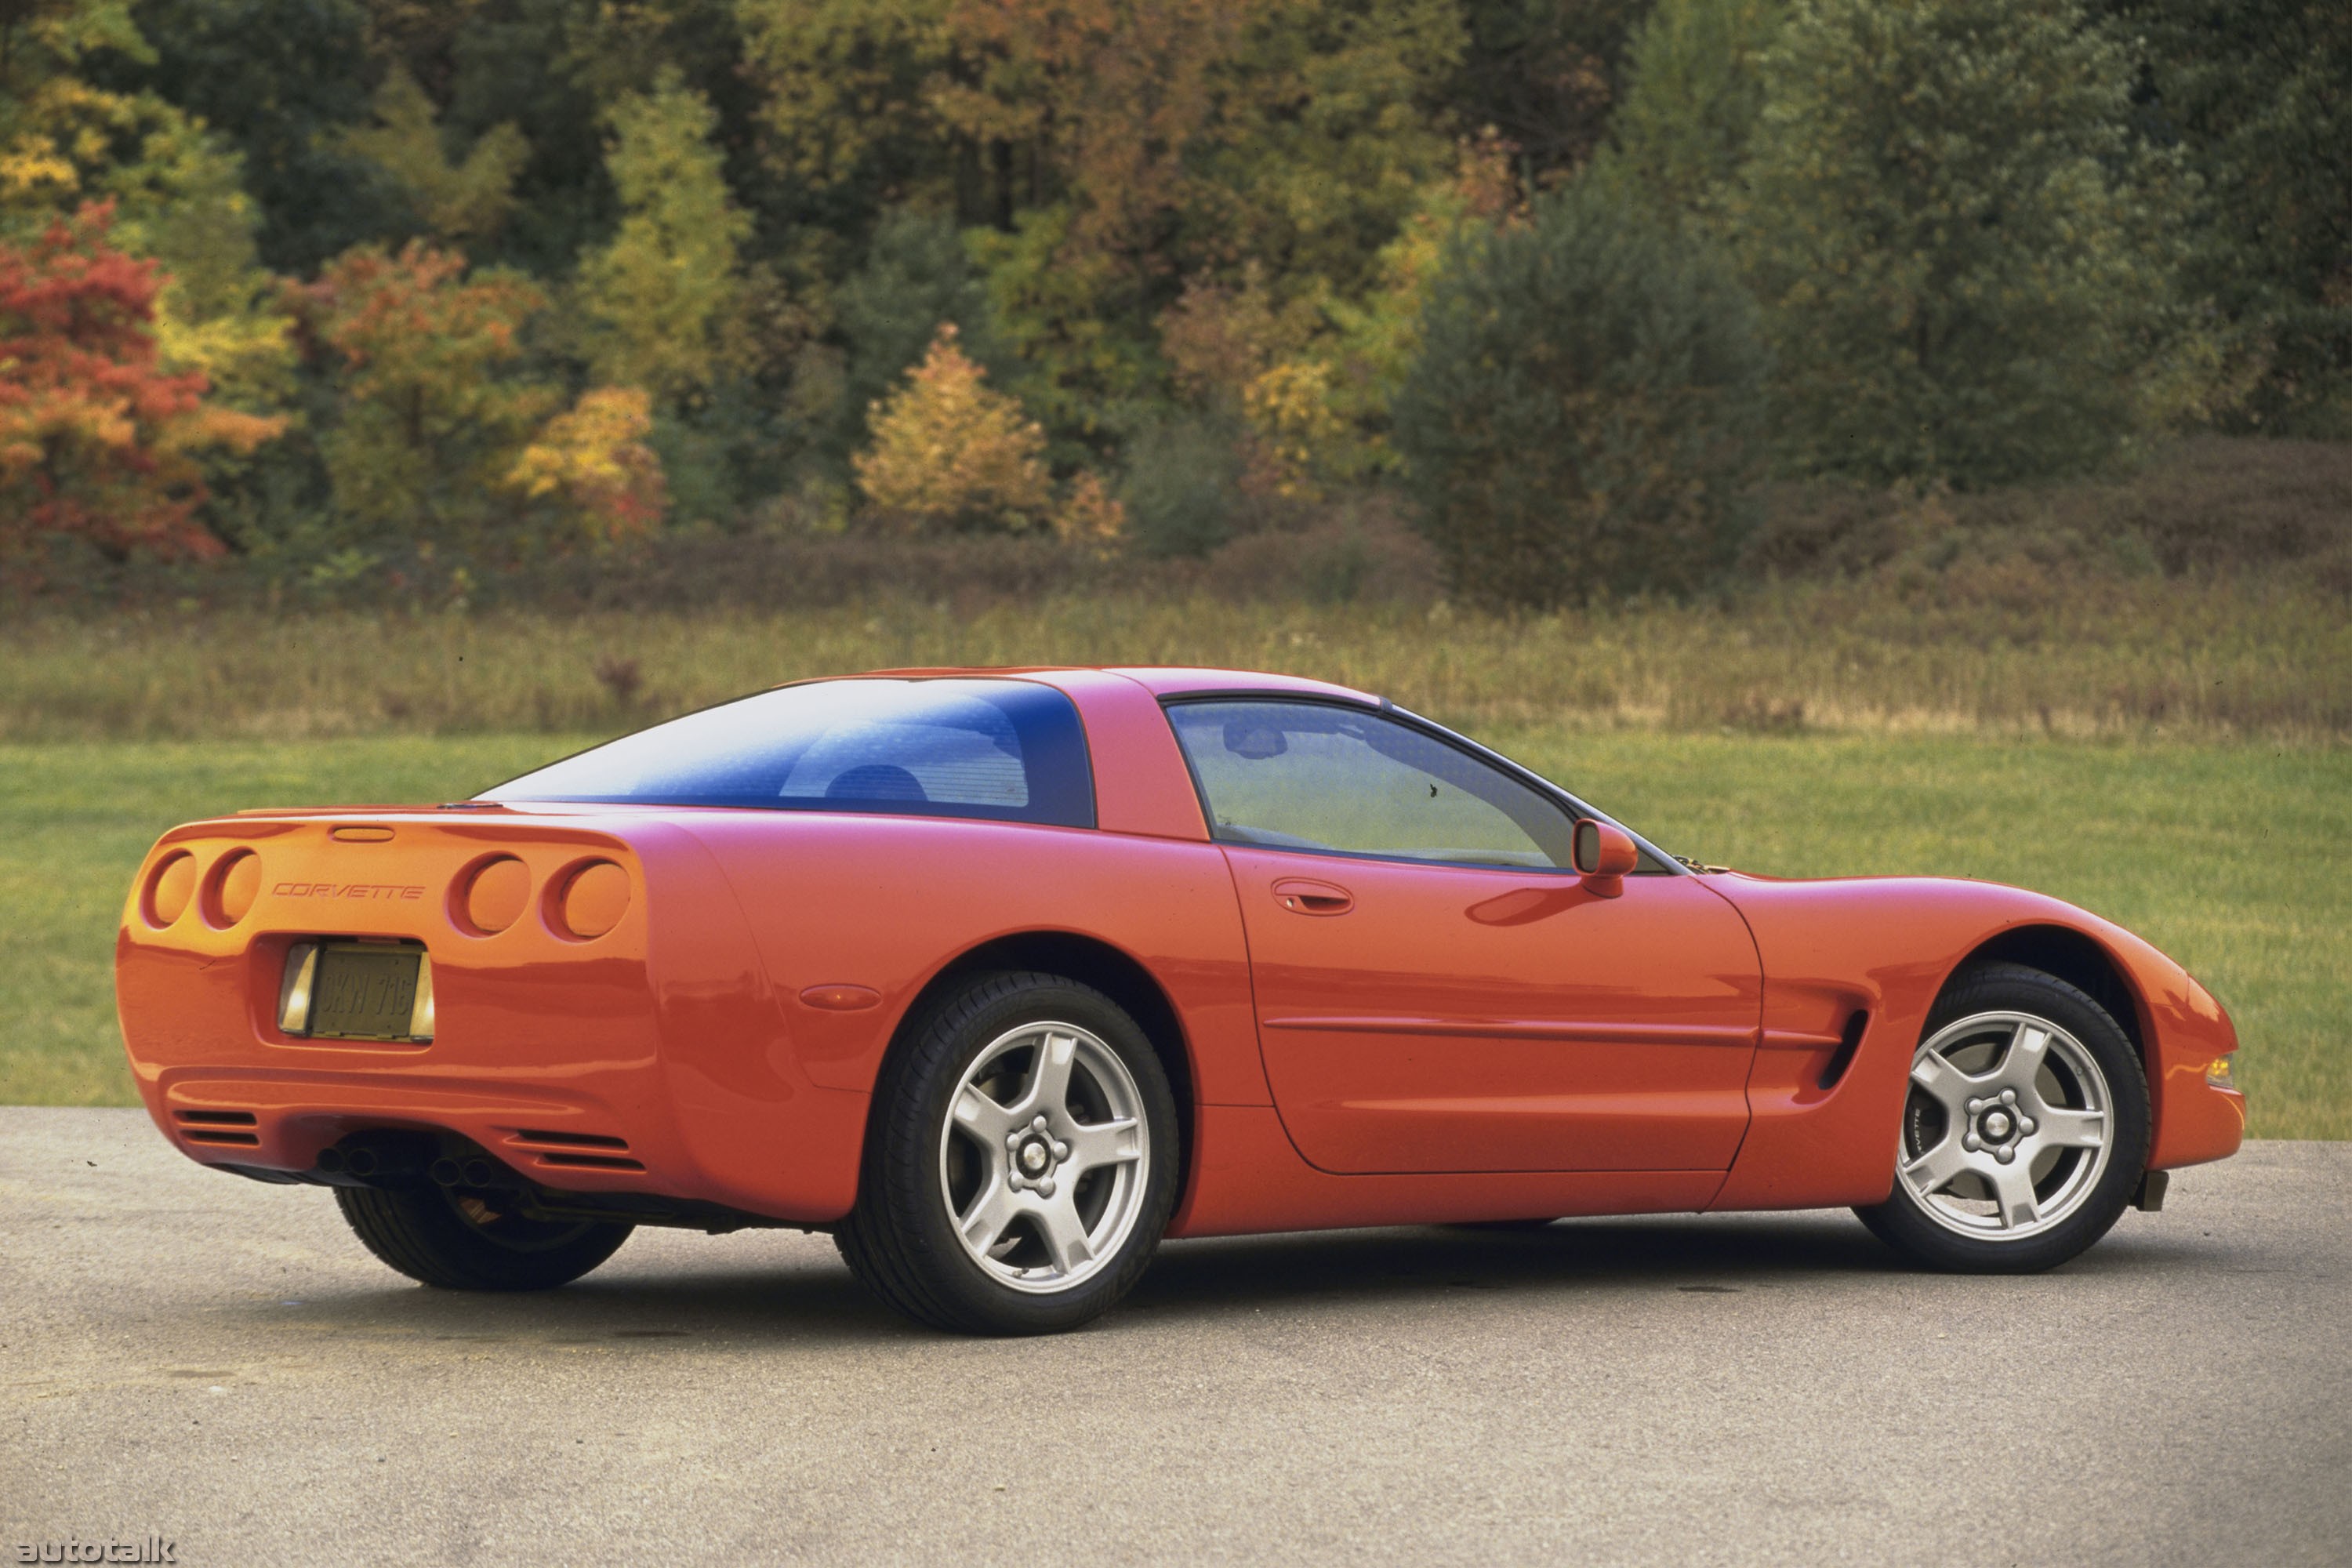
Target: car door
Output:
{"points": [[1436, 989]]}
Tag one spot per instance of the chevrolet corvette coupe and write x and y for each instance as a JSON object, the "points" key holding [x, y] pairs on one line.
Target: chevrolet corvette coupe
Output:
{"points": [[1001, 976]]}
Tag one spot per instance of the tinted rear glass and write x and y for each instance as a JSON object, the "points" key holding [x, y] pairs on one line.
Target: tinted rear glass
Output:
{"points": [[1009, 750]]}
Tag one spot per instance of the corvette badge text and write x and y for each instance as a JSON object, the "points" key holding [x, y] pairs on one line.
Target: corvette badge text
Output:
{"points": [[153, 1548], [346, 890]]}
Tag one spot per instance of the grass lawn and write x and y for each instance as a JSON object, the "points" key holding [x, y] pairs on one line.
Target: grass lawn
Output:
{"points": [[2228, 857]]}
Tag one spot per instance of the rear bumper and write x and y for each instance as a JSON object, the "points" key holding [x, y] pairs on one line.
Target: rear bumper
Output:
{"points": [[282, 1121], [628, 1064], [604, 1123]]}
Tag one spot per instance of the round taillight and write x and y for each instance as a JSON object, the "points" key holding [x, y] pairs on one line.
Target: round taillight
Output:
{"points": [[230, 890], [495, 895], [593, 900], [169, 888]]}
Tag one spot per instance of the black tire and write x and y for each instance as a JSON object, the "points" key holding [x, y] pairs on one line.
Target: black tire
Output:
{"points": [[1904, 1222], [423, 1233], [900, 1239]]}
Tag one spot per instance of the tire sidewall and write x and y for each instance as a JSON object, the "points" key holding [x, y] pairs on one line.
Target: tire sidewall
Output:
{"points": [[419, 1232], [1902, 1220], [907, 1169]]}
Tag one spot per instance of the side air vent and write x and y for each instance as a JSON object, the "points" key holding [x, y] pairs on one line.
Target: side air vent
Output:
{"points": [[218, 1127], [1849, 1042]]}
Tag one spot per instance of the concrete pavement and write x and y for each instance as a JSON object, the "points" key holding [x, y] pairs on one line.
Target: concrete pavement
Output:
{"points": [[220, 1364]]}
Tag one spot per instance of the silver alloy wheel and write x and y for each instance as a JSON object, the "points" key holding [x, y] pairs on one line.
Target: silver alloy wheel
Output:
{"points": [[2008, 1127], [1043, 1156]]}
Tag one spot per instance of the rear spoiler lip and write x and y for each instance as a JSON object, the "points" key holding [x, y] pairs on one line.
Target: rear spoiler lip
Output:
{"points": [[512, 828], [454, 810]]}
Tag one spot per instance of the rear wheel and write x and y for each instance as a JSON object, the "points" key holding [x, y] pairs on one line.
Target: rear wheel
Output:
{"points": [[466, 1242], [1021, 1161], [2025, 1130]]}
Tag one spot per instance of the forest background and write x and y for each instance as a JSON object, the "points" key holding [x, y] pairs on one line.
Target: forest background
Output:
{"points": [[1550, 300]]}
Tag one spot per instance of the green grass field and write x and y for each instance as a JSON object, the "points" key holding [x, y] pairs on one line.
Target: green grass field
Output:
{"points": [[2228, 857]]}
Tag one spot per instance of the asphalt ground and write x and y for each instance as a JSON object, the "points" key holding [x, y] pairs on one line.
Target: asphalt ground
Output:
{"points": [[218, 1363]]}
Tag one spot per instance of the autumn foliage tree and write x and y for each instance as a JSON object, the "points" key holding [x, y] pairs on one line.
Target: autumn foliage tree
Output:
{"points": [[950, 451], [656, 298], [432, 414], [593, 461], [445, 436], [97, 439]]}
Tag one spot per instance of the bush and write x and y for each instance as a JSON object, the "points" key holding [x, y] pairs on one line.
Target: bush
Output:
{"points": [[2207, 508], [1956, 245], [1182, 486], [1578, 418]]}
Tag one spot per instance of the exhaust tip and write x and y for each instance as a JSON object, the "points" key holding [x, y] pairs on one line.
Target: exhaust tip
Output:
{"points": [[478, 1174], [446, 1172], [332, 1162], [360, 1162]]}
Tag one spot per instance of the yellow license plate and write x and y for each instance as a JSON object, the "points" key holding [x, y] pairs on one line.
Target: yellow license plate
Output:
{"points": [[357, 990]]}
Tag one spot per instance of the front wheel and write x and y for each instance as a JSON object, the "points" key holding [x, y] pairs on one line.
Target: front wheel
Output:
{"points": [[2025, 1131], [1021, 1161]]}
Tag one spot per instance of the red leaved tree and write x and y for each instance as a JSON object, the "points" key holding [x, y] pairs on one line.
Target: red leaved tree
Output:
{"points": [[96, 439]]}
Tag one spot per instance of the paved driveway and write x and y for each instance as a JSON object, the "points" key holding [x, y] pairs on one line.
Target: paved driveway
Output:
{"points": [[218, 1363]]}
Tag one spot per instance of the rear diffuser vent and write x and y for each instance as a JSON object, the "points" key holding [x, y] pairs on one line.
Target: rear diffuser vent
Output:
{"points": [[218, 1127], [568, 1140], [575, 1150], [590, 1162]]}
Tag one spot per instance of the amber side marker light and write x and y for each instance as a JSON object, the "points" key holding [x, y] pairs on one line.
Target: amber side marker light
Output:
{"points": [[169, 888], [2221, 1073], [593, 898], [493, 895]]}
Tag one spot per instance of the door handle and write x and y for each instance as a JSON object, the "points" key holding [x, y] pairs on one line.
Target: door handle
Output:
{"points": [[1301, 897]]}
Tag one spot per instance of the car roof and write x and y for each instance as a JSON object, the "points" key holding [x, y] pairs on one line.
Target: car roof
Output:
{"points": [[1161, 680]]}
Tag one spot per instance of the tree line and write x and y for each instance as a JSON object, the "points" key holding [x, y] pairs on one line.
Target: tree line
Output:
{"points": [[344, 286]]}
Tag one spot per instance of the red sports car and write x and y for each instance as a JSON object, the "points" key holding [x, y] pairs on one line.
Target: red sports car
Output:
{"points": [[1002, 975]]}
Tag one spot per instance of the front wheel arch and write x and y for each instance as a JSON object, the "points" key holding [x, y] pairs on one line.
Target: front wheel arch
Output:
{"points": [[2081, 961]]}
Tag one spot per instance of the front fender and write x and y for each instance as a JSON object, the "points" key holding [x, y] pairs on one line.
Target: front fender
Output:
{"points": [[1885, 948]]}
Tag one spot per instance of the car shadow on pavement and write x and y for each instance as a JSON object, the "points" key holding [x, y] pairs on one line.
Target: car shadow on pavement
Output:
{"points": [[810, 1300], [1713, 1255], [1710, 1256]]}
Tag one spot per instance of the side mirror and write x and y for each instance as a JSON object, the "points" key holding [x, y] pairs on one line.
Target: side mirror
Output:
{"points": [[1604, 853]]}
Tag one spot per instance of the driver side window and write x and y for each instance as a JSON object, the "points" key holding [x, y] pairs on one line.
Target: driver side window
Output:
{"points": [[1318, 776]]}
